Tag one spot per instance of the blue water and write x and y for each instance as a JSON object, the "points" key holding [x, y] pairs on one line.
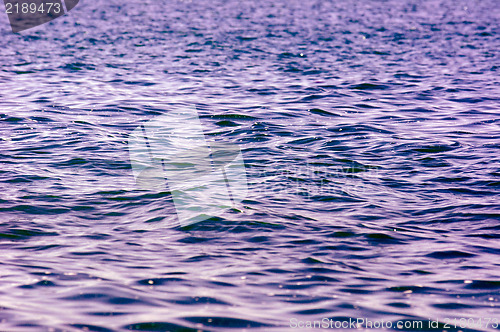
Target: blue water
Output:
{"points": [[370, 132]]}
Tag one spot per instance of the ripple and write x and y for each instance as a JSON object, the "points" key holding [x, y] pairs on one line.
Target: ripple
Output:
{"points": [[369, 132]]}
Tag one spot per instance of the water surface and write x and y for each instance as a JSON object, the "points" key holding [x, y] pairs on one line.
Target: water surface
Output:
{"points": [[370, 134]]}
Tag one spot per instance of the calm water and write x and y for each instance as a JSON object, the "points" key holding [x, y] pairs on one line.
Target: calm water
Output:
{"points": [[370, 134]]}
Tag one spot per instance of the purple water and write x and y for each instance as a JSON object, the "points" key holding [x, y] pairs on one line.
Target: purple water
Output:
{"points": [[370, 134]]}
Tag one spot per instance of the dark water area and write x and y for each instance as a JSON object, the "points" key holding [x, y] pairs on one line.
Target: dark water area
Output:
{"points": [[370, 134]]}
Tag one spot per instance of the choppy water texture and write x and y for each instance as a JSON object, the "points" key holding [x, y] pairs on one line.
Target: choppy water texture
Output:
{"points": [[370, 133]]}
